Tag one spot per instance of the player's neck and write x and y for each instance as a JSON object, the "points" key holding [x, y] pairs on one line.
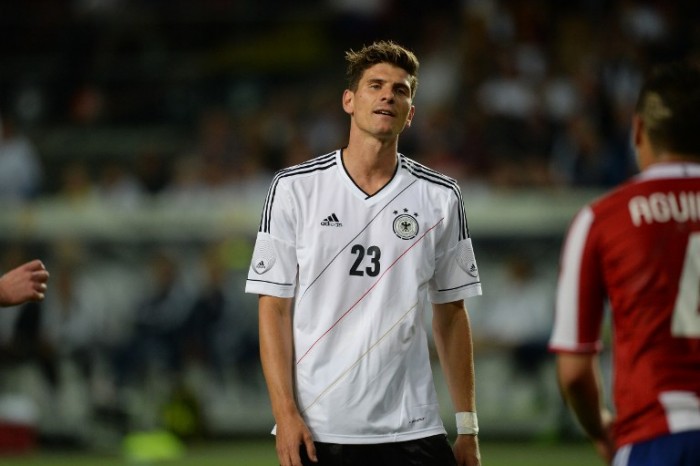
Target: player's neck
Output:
{"points": [[369, 168], [671, 157]]}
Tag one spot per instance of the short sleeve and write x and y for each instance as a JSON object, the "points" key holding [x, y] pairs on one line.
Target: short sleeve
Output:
{"points": [[580, 299], [456, 273], [273, 267]]}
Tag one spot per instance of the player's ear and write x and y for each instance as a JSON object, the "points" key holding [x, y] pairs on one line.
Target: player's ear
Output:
{"points": [[348, 101], [637, 130], [640, 143], [411, 112]]}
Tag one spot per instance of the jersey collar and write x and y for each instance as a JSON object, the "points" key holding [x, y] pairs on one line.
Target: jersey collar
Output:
{"points": [[357, 191], [671, 170]]}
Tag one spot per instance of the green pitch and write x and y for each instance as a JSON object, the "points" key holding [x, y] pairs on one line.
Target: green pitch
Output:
{"points": [[261, 453]]}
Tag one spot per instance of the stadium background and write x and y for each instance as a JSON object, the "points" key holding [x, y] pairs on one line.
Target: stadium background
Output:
{"points": [[145, 136]]}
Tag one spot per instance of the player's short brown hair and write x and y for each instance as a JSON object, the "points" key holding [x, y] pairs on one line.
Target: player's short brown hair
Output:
{"points": [[381, 52], [669, 105]]}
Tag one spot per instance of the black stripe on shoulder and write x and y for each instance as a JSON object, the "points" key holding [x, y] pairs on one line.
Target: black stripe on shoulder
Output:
{"points": [[309, 163], [322, 162], [428, 174]]}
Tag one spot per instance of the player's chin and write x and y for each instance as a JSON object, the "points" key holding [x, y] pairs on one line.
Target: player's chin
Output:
{"points": [[389, 132]]}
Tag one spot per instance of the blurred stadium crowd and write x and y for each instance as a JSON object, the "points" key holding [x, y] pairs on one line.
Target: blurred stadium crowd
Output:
{"points": [[120, 104]]}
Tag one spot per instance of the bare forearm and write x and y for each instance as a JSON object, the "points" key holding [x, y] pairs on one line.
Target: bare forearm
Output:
{"points": [[453, 342], [276, 353], [586, 407], [580, 384]]}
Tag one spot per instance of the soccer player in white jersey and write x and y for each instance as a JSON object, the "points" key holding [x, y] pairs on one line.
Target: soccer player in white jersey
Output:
{"points": [[24, 283], [353, 247], [638, 247]]}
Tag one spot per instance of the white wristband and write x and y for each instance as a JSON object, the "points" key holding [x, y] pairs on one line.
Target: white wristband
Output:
{"points": [[467, 423]]}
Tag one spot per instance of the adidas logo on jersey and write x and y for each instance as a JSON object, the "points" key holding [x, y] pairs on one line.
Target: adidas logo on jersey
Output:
{"points": [[262, 265], [331, 221]]}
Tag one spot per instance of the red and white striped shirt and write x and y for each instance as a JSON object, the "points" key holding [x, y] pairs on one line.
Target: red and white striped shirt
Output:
{"points": [[639, 248]]}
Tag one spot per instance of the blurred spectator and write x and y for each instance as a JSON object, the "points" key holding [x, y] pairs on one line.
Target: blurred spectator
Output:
{"points": [[28, 344], [21, 171], [156, 342], [517, 322], [24, 343], [218, 148], [153, 170], [438, 142], [509, 103], [117, 187], [87, 105], [507, 94], [528, 69], [76, 185], [72, 314], [519, 315], [323, 127], [186, 185], [643, 21], [561, 98], [581, 157], [203, 327], [357, 21], [277, 124], [441, 65]]}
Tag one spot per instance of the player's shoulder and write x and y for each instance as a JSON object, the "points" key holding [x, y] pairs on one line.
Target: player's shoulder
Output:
{"points": [[308, 168], [661, 178], [615, 196], [433, 178]]}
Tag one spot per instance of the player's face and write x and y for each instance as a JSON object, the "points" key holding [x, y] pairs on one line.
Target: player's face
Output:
{"points": [[382, 104]]}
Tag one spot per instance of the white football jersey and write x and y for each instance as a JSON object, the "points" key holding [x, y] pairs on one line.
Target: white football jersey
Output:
{"points": [[363, 270]]}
